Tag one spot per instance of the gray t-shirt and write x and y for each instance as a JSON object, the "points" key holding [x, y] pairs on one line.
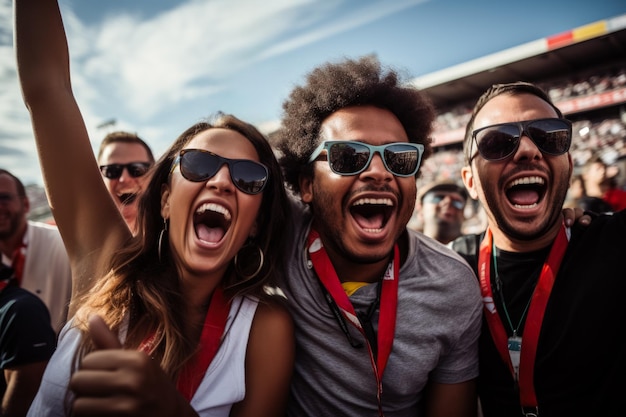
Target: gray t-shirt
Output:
{"points": [[437, 328]]}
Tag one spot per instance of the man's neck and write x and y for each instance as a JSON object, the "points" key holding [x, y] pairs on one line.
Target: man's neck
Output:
{"points": [[348, 270], [510, 244]]}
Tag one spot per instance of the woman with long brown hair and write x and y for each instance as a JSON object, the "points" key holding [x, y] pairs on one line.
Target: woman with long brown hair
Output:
{"points": [[176, 320]]}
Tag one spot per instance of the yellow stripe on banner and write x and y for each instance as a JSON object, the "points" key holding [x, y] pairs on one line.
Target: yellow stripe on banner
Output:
{"points": [[592, 30]]}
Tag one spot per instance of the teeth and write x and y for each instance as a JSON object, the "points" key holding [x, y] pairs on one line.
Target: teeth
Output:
{"points": [[216, 208], [526, 181], [525, 207], [377, 201]]}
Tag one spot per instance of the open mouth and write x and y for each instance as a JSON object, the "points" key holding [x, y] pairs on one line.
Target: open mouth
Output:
{"points": [[372, 214], [127, 198], [526, 192], [211, 222]]}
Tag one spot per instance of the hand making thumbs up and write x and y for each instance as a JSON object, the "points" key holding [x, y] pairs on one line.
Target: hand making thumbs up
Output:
{"points": [[113, 381]]}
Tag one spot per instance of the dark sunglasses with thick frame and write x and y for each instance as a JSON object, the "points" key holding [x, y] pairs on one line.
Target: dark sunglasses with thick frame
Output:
{"points": [[553, 136], [197, 165], [135, 169], [348, 157]]}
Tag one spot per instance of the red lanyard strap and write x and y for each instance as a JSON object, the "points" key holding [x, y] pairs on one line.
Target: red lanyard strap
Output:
{"points": [[388, 304], [536, 312], [194, 370], [210, 340]]}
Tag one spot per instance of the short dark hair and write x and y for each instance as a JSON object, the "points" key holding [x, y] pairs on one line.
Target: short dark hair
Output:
{"points": [[21, 190], [124, 137], [334, 86], [513, 89]]}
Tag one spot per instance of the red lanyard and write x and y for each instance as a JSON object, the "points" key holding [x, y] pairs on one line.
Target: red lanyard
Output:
{"points": [[536, 312], [388, 305], [214, 325]]}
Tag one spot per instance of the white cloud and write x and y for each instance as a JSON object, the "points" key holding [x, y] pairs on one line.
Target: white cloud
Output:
{"points": [[188, 51], [180, 54]]}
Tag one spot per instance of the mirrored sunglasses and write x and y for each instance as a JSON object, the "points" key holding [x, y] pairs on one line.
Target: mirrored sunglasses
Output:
{"points": [[135, 169], [552, 136], [347, 157], [199, 165], [438, 198]]}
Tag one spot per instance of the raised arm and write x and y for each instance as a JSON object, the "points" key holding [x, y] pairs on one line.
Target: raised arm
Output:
{"points": [[87, 218]]}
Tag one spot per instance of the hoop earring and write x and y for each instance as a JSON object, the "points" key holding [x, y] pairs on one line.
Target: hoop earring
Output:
{"points": [[247, 252], [160, 244]]}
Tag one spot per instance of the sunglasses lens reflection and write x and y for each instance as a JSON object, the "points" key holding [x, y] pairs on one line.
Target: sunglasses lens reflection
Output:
{"points": [[497, 142], [350, 158], [402, 159]]}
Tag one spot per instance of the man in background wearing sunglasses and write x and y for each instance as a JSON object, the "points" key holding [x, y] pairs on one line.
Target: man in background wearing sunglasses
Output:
{"points": [[552, 342], [440, 210], [124, 160], [387, 321]]}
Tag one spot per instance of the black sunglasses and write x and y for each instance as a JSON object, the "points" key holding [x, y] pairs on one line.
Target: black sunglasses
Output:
{"points": [[437, 198], [494, 143], [347, 157], [198, 165], [135, 169]]}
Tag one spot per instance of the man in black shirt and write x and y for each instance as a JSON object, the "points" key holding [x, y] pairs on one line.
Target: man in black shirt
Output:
{"points": [[553, 329]]}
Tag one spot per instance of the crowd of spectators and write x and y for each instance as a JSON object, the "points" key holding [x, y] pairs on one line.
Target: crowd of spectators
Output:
{"points": [[610, 79]]}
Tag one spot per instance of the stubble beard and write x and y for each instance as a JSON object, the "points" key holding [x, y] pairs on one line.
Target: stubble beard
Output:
{"points": [[332, 231], [515, 232]]}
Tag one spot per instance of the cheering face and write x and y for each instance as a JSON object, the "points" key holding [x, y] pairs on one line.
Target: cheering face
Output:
{"points": [[522, 194], [211, 218], [360, 216], [125, 184]]}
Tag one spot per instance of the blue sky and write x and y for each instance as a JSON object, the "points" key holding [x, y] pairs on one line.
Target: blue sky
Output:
{"points": [[158, 66]]}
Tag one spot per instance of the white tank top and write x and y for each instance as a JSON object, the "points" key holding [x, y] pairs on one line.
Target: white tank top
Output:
{"points": [[223, 384]]}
